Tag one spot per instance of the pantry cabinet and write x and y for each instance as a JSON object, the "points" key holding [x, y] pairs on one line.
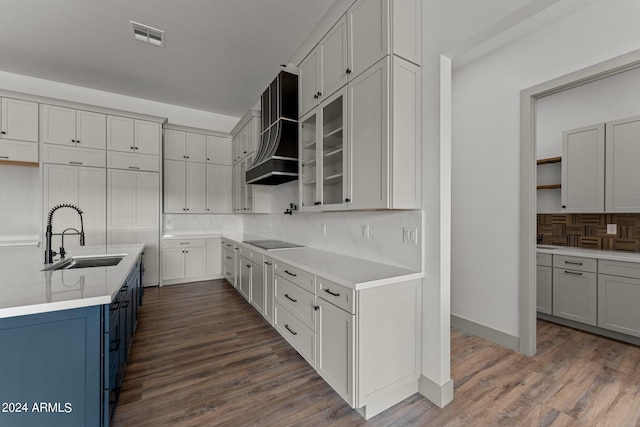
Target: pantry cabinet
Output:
{"points": [[133, 216], [84, 187], [75, 128], [19, 120], [184, 187]]}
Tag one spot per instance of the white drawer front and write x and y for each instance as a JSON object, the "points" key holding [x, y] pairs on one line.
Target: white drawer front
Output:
{"points": [[191, 243], [131, 161], [73, 156], [297, 300], [228, 271], [575, 263], [337, 294], [619, 268], [296, 333], [300, 277], [227, 256], [544, 260], [19, 151]]}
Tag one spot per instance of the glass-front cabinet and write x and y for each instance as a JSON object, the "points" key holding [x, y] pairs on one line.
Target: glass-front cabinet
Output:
{"points": [[324, 156]]}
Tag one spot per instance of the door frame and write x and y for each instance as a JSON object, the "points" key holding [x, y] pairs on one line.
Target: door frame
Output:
{"points": [[527, 260]]}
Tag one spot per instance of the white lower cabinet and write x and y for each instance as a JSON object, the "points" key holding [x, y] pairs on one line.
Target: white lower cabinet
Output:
{"points": [[575, 295], [300, 336], [544, 283], [335, 361], [257, 295], [214, 250], [619, 296], [244, 277], [268, 289], [184, 261]]}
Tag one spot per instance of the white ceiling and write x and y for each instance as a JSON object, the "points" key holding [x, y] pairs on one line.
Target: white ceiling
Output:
{"points": [[219, 54]]}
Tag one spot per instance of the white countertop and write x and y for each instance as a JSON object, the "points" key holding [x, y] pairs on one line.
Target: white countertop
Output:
{"points": [[349, 271], [25, 289], [590, 253], [189, 235]]}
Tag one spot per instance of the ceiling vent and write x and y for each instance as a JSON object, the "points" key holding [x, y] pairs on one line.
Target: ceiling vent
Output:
{"points": [[147, 34]]}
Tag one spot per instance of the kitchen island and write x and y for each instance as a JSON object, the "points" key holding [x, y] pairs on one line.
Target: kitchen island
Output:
{"points": [[65, 335]]}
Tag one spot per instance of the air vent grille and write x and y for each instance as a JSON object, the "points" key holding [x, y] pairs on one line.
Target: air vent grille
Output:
{"points": [[147, 34]]}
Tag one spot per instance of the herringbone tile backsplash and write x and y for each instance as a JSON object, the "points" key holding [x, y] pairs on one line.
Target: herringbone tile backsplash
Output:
{"points": [[590, 231]]}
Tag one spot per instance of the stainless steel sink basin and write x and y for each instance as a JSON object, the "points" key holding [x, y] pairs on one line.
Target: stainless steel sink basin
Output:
{"points": [[85, 262]]}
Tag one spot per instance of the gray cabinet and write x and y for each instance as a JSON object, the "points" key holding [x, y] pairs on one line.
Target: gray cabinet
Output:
{"points": [[544, 283], [583, 152], [257, 295], [575, 289], [619, 296], [622, 172], [268, 289]]}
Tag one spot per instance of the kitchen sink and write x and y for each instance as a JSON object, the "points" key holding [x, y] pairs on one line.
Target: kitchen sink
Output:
{"points": [[85, 262]]}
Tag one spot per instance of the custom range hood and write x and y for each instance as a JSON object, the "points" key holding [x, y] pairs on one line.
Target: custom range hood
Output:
{"points": [[276, 161]]}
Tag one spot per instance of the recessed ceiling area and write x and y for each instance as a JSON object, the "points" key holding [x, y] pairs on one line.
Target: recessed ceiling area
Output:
{"points": [[218, 55]]}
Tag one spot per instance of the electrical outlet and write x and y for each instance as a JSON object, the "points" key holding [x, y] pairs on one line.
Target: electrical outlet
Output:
{"points": [[612, 229], [365, 231], [410, 235], [323, 229]]}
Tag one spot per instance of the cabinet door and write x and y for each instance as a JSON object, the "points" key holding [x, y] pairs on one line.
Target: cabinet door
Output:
{"points": [[544, 289], [575, 295], [147, 137], [120, 133], [91, 129], [245, 277], [368, 22], [92, 199], [19, 120], [196, 147], [174, 186], [19, 151], [173, 263], [121, 207], [583, 169], [218, 150], [333, 143], [257, 287], [57, 124], [622, 172], [175, 144], [308, 85], [310, 163], [218, 189], [196, 187], [368, 140], [268, 290], [148, 223], [196, 262], [333, 48], [335, 360], [618, 302], [214, 254]]}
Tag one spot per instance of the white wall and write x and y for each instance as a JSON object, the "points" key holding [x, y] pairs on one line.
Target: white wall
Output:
{"points": [[486, 133], [198, 224], [344, 230]]}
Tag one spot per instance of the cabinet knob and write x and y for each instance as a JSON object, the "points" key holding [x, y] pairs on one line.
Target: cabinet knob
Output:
{"points": [[187, 157], [77, 141], [564, 206], [347, 200], [317, 203], [4, 133], [319, 94], [131, 148], [315, 96], [208, 159], [73, 140], [348, 71]]}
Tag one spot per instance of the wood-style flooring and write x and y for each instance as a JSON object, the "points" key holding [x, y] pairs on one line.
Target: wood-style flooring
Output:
{"points": [[202, 356]]}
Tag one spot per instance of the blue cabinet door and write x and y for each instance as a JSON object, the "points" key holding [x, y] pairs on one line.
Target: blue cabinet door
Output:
{"points": [[50, 366]]}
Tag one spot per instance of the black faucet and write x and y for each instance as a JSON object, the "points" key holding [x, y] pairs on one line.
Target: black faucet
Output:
{"points": [[48, 253], [540, 237]]}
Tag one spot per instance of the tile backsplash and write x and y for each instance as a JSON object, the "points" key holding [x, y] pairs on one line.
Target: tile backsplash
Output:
{"points": [[590, 231]]}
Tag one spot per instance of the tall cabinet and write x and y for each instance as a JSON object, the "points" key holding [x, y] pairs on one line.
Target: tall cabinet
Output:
{"points": [[359, 92]]}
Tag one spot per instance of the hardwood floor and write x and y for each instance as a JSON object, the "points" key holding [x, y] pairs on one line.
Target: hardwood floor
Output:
{"points": [[202, 356]]}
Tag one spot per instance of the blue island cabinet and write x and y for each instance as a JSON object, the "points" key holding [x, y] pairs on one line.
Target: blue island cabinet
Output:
{"points": [[65, 368]]}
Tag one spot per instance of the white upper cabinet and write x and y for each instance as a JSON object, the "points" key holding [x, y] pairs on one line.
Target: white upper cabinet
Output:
{"points": [[147, 137], [218, 150], [622, 171], [308, 75], [78, 128], [133, 136], [333, 65], [583, 152], [368, 22], [218, 189], [188, 146], [19, 120]]}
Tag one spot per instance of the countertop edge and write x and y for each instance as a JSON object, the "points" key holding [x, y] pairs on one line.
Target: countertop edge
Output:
{"points": [[592, 253]]}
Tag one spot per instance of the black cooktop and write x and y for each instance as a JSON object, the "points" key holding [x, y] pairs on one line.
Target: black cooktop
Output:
{"points": [[272, 244]]}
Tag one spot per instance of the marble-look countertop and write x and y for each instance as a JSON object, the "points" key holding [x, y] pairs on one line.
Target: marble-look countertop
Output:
{"points": [[354, 273], [25, 289], [189, 235], [590, 253]]}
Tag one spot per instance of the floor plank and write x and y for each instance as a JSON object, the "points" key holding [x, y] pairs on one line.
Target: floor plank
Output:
{"points": [[202, 356]]}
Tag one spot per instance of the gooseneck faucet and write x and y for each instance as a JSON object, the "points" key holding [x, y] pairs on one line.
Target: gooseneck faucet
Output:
{"points": [[48, 253]]}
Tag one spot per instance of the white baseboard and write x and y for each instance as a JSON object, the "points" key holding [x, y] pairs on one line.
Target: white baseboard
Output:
{"points": [[440, 395], [510, 341]]}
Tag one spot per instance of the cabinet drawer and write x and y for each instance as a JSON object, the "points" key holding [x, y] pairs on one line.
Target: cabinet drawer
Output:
{"points": [[192, 243], [227, 256], [575, 295], [575, 263], [298, 301], [619, 268], [227, 244], [300, 277], [130, 161], [73, 156], [18, 151], [339, 295], [296, 333], [228, 272], [544, 260], [244, 251]]}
